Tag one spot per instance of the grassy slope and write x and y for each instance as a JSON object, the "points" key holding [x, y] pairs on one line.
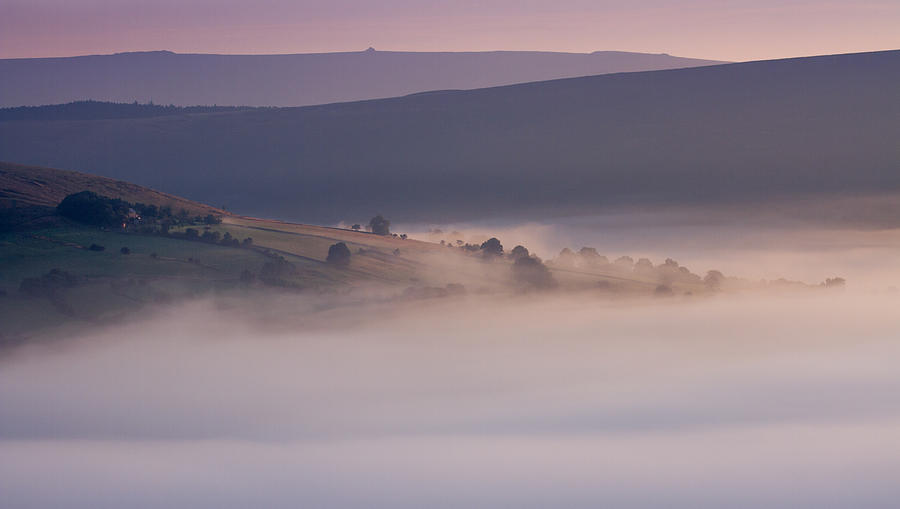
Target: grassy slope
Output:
{"points": [[162, 268]]}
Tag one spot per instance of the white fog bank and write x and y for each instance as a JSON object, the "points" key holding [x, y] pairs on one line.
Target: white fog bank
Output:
{"points": [[471, 402]]}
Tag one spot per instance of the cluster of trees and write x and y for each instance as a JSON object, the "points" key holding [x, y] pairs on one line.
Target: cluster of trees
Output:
{"points": [[94, 209], [90, 208], [667, 272], [90, 110], [528, 271], [531, 273], [213, 237]]}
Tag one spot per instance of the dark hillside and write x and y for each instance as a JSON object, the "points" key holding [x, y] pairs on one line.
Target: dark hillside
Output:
{"points": [[749, 132]]}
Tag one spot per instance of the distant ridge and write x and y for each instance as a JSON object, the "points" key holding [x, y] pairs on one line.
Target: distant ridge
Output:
{"points": [[164, 77], [820, 128], [96, 110]]}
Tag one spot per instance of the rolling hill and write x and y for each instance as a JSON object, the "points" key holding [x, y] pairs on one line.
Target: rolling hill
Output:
{"points": [[816, 128], [295, 80], [64, 272], [33, 185]]}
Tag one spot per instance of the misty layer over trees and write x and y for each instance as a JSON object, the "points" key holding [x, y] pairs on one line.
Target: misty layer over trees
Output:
{"points": [[820, 128]]}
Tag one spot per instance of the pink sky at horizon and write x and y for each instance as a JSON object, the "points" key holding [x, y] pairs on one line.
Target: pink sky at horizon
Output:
{"points": [[734, 30]]}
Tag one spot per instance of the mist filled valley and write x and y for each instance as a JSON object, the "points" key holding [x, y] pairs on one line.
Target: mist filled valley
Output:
{"points": [[519, 255], [743, 401]]}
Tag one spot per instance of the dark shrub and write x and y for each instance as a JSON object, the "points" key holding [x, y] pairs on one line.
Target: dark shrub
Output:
{"points": [[210, 236], [663, 291], [96, 247], [273, 271], [355, 227], [835, 282], [247, 242], [339, 254], [125, 250]]}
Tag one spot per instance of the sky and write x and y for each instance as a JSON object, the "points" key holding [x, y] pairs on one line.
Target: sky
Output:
{"points": [[736, 30]]}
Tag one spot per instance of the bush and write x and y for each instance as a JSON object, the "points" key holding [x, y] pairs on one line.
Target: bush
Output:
{"points": [[210, 236], [338, 254], [663, 291], [835, 282], [96, 247], [274, 270], [125, 250]]}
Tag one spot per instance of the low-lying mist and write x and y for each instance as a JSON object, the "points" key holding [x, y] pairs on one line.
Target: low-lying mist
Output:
{"points": [[766, 246], [478, 401]]}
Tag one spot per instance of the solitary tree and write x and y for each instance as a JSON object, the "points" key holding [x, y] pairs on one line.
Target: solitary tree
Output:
{"points": [[379, 225], [835, 282], [519, 252], [492, 247], [531, 273], [339, 255], [591, 257], [565, 258], [713, 279]]}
